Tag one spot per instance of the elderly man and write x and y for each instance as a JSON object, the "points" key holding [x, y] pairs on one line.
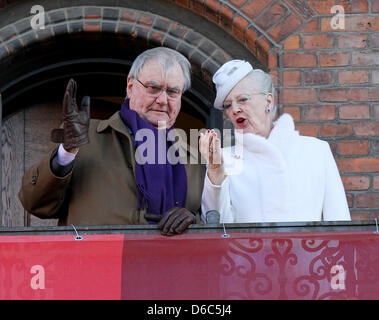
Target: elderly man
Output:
{"points": [[93, 177]]}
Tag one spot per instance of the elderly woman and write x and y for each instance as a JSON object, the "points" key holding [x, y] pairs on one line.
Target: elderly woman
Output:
{"points": [[282, 176]]}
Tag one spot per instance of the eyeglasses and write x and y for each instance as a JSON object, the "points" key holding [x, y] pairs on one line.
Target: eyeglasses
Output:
{"points": [[242, 100], [156, 91]]}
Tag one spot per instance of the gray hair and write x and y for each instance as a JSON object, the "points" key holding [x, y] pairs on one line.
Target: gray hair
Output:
{"points": [[165, 55], [264, 81]]}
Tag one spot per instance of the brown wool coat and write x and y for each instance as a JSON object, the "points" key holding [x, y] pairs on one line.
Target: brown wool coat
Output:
{"points": [[100, 189]]}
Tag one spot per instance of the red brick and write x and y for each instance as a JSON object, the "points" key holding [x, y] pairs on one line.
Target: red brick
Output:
{"points": [[352, 41], [353, 76], [146, 20], [251, 36], [184, 3], [342, 94], [376, 112], [299, 60], [292, 43], [374, 40], [363, 58], [254, 8], [214, 5], [354, 6], [375, 6], [273, 60], [376, 182], [360, 215], [356, 182], [373, 94], [335, 130], [350, 200], [271, 16], [211, 10], [197, 6], [178, 30], [334, 59], [307, 129], [319, 113], [318, 77], [322, 6], [92, 16], [226, 17], [348, 165], [375, 76], [236, 3], [354, 23], [128, 16], [285, 28], [156, 37], [367, 200], [358, 6], [333, 147], [239, 25], [295, 96], [310, 27], [264, 44], [353, 112], [366, 129], [262, 54], [294, 111], [319, 41], [353, 147], [92, 27], [291, 78]]}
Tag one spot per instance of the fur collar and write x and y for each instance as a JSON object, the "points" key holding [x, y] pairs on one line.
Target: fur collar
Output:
{"points": [[281, 137]]}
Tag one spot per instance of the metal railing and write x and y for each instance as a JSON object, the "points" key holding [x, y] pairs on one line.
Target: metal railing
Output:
{"points": [[326, 226]]}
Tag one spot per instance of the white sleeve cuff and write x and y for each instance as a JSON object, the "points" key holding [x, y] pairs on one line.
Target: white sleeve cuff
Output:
{"points": [[65, 157]]}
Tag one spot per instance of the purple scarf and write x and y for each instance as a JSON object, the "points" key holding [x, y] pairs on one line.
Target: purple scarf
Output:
{"points": [[159, 186]]}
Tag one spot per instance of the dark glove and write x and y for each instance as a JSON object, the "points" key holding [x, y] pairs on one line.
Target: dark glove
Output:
{"points": [[75, 120], [176, 220]]}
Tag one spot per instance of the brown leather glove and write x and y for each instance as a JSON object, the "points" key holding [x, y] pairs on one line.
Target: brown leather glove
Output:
{"points": [[75, 120], [176, 220]]}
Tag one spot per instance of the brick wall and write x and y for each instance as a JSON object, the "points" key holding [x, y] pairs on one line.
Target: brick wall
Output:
{"points": [[327, 79]]}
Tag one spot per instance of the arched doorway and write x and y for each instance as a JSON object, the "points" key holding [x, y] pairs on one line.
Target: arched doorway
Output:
{"points": [[95, 45]]}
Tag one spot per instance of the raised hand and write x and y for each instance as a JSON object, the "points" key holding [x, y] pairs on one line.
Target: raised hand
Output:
{"points": [[75, 120], [210, 149]]}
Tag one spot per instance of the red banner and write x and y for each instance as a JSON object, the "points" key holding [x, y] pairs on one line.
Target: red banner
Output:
{"points": [[303, 265]]}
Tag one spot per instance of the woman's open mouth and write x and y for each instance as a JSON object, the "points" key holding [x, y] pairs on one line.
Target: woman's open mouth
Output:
{"points": [[241, 122]]}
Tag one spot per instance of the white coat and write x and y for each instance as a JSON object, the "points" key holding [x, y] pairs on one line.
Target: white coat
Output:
{"points": [[286, 177]]}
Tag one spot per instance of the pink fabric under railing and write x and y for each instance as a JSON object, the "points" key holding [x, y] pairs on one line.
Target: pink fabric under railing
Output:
{"points": [[280, 265]]}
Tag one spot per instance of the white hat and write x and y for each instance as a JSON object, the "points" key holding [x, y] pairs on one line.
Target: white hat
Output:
{"points": [[229, 74]]}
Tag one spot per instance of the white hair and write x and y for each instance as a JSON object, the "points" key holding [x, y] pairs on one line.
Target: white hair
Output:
{"points": [[168, 57], [264, 82]]}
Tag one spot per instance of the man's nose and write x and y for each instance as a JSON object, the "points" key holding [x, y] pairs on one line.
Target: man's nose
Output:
{"points": [[162, 98]]}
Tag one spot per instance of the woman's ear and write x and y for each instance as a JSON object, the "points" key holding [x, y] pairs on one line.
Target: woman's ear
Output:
{"points": [[270, 100]]}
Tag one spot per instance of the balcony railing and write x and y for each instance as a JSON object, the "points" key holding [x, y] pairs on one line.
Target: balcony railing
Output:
{"points": [[312, 260]]}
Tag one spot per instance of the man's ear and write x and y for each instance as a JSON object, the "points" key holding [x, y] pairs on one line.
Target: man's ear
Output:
{"points": [[129, 86]]}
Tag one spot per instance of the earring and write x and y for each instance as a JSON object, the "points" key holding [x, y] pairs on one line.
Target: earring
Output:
{"points": [[268, 109]]}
